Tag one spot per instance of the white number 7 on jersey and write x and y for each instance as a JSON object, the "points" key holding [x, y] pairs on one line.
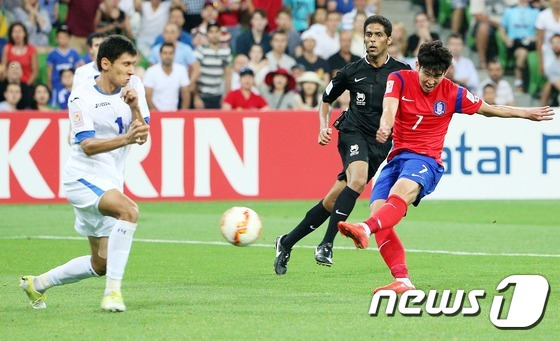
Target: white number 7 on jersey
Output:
{"points": [[420, 117]]}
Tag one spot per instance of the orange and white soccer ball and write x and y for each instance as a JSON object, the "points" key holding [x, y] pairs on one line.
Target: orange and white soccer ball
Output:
{"points": [[241, 226]]}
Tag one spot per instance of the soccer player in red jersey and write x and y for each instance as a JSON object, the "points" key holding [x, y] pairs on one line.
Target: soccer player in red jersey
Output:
{"points": [[417, 107]]}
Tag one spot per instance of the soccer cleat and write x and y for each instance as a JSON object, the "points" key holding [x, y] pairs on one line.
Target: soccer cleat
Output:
{"points": [[113, 302], [323, 254], [282, 257], [36, 299], [356, 232], [396, 286]]}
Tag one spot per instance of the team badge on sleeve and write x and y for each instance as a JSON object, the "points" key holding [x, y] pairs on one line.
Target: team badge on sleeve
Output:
{"points": [[77, 119], [389, 87], [439, 108]]}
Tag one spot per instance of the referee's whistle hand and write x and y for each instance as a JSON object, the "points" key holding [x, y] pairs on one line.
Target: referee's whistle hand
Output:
{"points": [[324, 136]]}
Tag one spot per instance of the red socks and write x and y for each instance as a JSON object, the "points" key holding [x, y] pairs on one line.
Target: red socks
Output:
{"points": [[388, 215], [392, 251]]}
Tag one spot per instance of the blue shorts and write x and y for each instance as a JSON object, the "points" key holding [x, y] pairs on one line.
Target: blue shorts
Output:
{"points": [[419, 168]]}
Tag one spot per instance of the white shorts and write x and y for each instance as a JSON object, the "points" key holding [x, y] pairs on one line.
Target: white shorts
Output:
{"points": [[84, 195]]}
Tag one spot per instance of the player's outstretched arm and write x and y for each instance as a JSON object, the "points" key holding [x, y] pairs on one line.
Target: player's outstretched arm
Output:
{"points": [[390, 106], [533, 114], [325, 132], [137, 133]]}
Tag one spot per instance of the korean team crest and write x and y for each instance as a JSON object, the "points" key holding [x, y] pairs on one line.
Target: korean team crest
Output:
{"points": [[439, 108]]}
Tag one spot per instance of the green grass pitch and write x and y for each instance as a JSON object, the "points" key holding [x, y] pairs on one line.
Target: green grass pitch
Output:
{"points": [[190, 288]]}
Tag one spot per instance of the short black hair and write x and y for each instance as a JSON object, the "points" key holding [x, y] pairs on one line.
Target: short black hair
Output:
{"points": [[167, 44], [455, 36], [435, 57], [114, 47], [489, 85], [95, 35], [11, 30], [381, 20], [64, 70]]}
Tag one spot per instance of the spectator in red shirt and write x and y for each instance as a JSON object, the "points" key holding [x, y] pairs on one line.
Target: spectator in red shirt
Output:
{"points": [[19, 50], [244, 98]]}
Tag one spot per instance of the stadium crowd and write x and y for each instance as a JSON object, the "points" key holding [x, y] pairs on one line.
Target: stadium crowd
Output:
{"points": [[275, 54]]}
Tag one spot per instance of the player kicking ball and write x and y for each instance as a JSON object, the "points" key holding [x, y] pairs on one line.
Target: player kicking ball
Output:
{"points": [[418, 107], [106, 118]]}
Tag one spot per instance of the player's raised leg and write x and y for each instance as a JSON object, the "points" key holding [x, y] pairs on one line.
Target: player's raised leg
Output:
{"points": [[116, 204]]}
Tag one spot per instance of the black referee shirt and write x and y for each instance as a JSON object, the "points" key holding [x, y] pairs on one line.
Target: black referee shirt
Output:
{"points": [[366, 84]]}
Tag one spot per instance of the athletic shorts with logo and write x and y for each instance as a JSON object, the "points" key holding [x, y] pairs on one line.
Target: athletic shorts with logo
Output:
{"points": [[419, 168], [84, 195], [354, 146]]}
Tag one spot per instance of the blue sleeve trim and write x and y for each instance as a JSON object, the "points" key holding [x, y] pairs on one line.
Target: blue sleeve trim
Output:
{"points": [[91, 186], [402, 80], [147, 120], [84, 135], [459, 100]]}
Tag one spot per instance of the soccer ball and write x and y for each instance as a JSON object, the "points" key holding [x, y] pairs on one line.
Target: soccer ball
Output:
{"points": [[241, 226]]}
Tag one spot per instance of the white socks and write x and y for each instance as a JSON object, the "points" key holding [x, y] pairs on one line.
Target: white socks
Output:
{"points": [[118, 249], [71, 272], [405, 281]]}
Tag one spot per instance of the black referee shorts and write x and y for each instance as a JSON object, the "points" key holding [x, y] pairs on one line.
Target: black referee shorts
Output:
{"points": [[353, 146]]}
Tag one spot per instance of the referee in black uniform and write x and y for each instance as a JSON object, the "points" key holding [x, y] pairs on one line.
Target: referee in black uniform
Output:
{"points": [[361, 154]]}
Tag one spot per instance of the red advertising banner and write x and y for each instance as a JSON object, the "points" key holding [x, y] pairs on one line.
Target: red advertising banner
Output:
{"points": [[192, 155]]}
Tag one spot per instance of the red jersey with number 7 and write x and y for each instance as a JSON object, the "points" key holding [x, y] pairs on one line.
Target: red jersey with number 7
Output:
{"points": [[423, 118]]}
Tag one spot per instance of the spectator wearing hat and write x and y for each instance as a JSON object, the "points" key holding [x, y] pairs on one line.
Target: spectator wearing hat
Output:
{"points": [[63, 57], [211, 70], [278, 90], [310, 60], [184, 54], [256, 35], [277, 57], [343, 56], [245, 97], [309, 91], [36, 21]]}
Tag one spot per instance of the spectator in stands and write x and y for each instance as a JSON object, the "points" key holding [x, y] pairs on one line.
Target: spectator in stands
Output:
{"points": [[504, 92], [359, 6], [519, 33], [488, 15], [318, 20], [239, 62], [209, 14], [301, 10], [271, 7], [277, 57], [256, 35], [184, 54], [85, 72], [284, 22], [193, 16], [229, 17], [164, 82], [358, 47], [110, 19], [80, 21], [19, 49], [41, 98], [310, 91], [61, 99], [51, 6], [400, 38], [154, 17], [310, 60], [211, 76], [489, 94], [36, 21], [12, 95], [177, 17], [245, 97], [278, 88], [328, 41], [13, 75], [421, 35], [258, 63], [61, 58], [463, 71], [552, 72], [548, 24], [344, 55]]}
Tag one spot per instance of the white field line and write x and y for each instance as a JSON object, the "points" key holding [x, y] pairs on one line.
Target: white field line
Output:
{"points": [[199, 242]]}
